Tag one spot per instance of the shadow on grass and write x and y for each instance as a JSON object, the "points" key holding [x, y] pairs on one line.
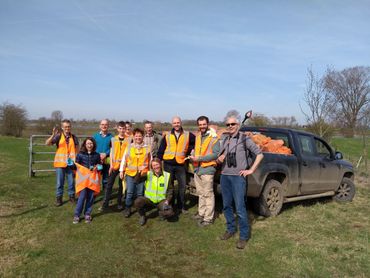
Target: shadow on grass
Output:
{"points": [[23, 212], [306, 203]]}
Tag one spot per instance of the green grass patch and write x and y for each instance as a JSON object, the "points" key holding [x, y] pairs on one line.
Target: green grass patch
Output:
{"points": [[316, 238], [353, 149]]}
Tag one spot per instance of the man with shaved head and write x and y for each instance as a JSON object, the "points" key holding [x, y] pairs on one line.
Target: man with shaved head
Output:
{"points": [[175, 147], [102, 139]]}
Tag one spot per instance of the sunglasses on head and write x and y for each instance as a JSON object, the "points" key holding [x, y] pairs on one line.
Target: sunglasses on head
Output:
{"points": [[230, 124]]}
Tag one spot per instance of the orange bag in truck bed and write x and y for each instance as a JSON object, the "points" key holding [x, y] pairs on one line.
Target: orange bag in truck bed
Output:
{"points": [[267, 144]]}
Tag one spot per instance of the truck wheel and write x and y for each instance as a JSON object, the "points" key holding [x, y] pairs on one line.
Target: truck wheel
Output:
{"points": [[346, 191], [271, 200]]}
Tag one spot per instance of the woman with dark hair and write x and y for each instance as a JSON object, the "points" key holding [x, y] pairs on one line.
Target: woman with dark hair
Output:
{"points": [[87, 178]]}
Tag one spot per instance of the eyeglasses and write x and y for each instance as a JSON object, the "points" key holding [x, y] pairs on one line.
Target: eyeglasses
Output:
{"points": [[231, 124]]}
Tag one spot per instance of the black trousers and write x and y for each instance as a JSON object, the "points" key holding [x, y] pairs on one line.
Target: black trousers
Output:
{"points": [[108, 189], [179, 172]]}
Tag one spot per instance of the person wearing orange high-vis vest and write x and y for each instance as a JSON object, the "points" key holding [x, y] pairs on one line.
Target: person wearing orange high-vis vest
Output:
{"points": [[119, 144], [207, 148], [67, 147], [175, 147], [135, 166], [88, 177]]}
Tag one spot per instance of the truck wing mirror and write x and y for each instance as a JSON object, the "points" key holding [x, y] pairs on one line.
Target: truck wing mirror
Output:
{"points": [[338, 155]]}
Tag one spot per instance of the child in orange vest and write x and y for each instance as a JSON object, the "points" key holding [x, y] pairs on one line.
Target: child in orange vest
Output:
{"points": [[88, 165]]}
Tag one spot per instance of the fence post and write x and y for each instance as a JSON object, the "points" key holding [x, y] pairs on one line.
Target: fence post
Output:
{"points": [[30, 148]]}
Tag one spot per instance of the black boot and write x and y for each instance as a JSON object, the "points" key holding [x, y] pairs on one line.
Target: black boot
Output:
{"points": [[127, 212], [59, 201], [72, 199]]}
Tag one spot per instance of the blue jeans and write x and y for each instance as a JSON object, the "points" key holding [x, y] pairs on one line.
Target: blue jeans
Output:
{"points": [[61, 173], [134, 190], [234, 188], [179, 172], [86, 198]]}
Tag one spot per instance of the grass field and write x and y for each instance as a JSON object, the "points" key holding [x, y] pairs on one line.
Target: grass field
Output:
{"points": [[318, 238], [353, 150]]}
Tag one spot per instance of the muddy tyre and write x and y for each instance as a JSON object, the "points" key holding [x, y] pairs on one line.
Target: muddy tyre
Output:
{"points": [[271, 200], [346, 191]]}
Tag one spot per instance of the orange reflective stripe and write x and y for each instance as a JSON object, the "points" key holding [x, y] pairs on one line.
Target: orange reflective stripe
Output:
{"points": [[64, 151], [87, 179]]}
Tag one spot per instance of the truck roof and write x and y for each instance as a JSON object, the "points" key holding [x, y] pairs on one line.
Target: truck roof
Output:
{"points": [[275, 129]]}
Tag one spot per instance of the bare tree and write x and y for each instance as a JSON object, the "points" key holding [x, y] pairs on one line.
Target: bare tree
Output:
{"points": [[13, 119], [351, 90], [259, 120], [45, 125], [57, 116], [284, 121], [321, 106]]}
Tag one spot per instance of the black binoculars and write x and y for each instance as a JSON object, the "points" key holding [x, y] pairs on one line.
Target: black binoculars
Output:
{"points": [[231, 160]]}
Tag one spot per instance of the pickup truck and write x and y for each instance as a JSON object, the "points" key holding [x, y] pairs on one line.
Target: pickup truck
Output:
{"points": [[313, 170]]}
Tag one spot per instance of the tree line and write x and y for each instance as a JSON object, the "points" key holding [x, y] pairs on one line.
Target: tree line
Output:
{"points": [[338, 99], [335, 100]]}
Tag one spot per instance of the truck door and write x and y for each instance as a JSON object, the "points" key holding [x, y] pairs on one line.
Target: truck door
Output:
{"points": [[310, 165], [329, 169]]}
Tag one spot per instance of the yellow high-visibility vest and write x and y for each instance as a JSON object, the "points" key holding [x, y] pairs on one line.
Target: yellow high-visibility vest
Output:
{"points": [[156, 187]]}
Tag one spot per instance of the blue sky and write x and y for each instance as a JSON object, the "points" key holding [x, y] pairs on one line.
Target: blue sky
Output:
{"points": [[155, 59]]}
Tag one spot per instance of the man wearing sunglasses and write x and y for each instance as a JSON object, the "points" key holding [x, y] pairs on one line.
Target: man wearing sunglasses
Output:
{"points": [[234, 154]]}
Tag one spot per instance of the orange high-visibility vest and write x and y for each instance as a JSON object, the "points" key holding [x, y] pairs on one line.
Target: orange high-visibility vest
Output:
{"points": [[205, 148], [117, 150], [176, 148], [85, 178], [64, 152], [137, 159]]}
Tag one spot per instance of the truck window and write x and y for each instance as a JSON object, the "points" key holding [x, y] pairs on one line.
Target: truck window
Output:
{"points": [[322, 149], [306, 145]]}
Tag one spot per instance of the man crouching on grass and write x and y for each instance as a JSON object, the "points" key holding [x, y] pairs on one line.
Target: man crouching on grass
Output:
{"points": [[235, 147]]}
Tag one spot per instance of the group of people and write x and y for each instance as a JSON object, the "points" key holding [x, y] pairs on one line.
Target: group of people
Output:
{"points": [[147, 164]]}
